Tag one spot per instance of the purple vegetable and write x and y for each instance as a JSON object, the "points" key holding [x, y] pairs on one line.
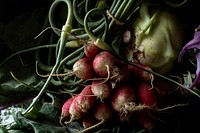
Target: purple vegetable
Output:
{"points": [[195, 45]]}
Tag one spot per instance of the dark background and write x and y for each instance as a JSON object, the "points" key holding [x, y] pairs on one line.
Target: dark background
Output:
{"points": [[20, 21]]}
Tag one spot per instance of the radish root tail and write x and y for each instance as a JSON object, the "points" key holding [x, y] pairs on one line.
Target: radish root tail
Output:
{"points": [[92, 127]]}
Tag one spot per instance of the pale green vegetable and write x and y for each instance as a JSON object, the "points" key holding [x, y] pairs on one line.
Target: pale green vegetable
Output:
{"points": [[157, 39]]}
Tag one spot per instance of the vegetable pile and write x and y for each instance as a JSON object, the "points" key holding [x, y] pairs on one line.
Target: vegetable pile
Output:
{"points": [[102, 66]]}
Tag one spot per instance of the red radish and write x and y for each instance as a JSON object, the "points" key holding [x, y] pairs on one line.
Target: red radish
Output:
{"points": [[75, 111], [141, 74], [88, 120], [103, 63], [162, 87], [101, 89], [120, 72], [83, 68], [146, 120], [147, 94], [82, 103], [91, 50], [124, 117], [65, 115], [123, 94], [86, 99], [102, 112]]}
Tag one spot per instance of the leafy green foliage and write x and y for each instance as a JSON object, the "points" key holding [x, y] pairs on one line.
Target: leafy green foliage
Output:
{"points": [[11, 89], [37, 127], [43, 118]]}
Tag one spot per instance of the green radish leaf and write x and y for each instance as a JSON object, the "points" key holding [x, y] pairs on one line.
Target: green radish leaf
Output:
{"points": [[49, 111], [37, 127]]}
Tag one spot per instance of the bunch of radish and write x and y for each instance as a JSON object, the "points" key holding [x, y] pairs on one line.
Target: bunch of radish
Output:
{"points": [[116, 88]]}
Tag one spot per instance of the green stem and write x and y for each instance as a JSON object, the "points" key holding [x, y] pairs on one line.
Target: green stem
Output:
{"points": [[133, 9], [51, 16], [27, 50], [75, 11], [73, 60], [66, 29], [80, 18], [126, 9], [97, 41], [89, 33], [56, 82], [87, 5], [41, 65], [118, 13], [74, 89], [116, 6], [147, 26], [175, 5], [64, 61]]}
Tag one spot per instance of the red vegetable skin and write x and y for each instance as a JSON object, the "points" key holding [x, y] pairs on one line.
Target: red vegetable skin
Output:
{"points": [[123, 94], [101, 89], [91, 50], [147, 94], [120, 72], [102, 62], [88, 120], [81, 104], [102, 112], [83, 68], [162, 88], [86, 99], [65, 115], [141, 74], [146, 120], [75, 111]]}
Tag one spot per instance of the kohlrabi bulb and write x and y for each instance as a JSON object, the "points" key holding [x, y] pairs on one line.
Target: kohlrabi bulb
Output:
{"points": [[157, 39]]}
